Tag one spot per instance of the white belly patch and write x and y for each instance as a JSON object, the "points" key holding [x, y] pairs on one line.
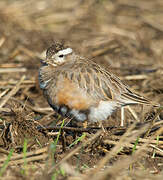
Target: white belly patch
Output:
{"points": [[102, 111]]}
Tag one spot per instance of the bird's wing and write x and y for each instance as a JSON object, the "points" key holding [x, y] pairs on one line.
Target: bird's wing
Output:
{"points": [[89, 80], [100, 84], [121, 91]]}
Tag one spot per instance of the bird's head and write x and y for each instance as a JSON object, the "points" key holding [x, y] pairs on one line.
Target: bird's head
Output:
{"points": [[58, 54]]}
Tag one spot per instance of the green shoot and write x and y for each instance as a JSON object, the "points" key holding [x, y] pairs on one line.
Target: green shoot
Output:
{"points": [[154, 151], [5, 164], [57, 172], [54, 144], [24, 156], [54, 176], [85, 166], [62, 172], [38, 142], [78, 140], [136, 143], [133, 150], [57, 139], [121, 148]]}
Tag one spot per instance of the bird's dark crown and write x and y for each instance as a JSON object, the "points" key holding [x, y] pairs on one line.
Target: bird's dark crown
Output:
{"points": [[53, 49]]}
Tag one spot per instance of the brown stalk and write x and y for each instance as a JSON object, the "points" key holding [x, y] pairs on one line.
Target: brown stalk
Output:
{"points": [[12, 92]]}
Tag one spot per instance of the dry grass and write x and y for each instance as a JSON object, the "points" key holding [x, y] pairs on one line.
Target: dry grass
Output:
{"points": [[124, 36]]}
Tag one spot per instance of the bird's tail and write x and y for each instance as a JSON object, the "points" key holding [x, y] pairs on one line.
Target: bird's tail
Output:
{"points": [[133, 98]]}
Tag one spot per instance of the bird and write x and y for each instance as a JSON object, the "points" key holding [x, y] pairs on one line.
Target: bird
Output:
{"points": [[79, 88]]}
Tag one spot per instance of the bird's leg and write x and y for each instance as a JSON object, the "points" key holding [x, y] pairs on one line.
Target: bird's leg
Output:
{"points": [[85, 124], [122, 116], [102, 127], [142, 112]]}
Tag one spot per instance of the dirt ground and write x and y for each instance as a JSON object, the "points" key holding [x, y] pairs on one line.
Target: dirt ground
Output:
{"points": [[124, 36]]}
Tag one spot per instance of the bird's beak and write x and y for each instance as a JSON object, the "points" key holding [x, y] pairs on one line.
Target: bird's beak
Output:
{"points": [[51, 62], [43, 62]]}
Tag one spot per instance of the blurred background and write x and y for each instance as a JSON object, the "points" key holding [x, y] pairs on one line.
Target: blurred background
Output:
{"points": [[124, 36]]}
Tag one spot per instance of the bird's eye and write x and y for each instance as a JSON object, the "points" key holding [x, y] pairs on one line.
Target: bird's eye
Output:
{"points": [[61, 55]]}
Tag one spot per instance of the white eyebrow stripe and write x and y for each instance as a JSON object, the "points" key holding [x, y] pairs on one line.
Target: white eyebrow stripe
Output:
{"points": [[65, 51]]}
